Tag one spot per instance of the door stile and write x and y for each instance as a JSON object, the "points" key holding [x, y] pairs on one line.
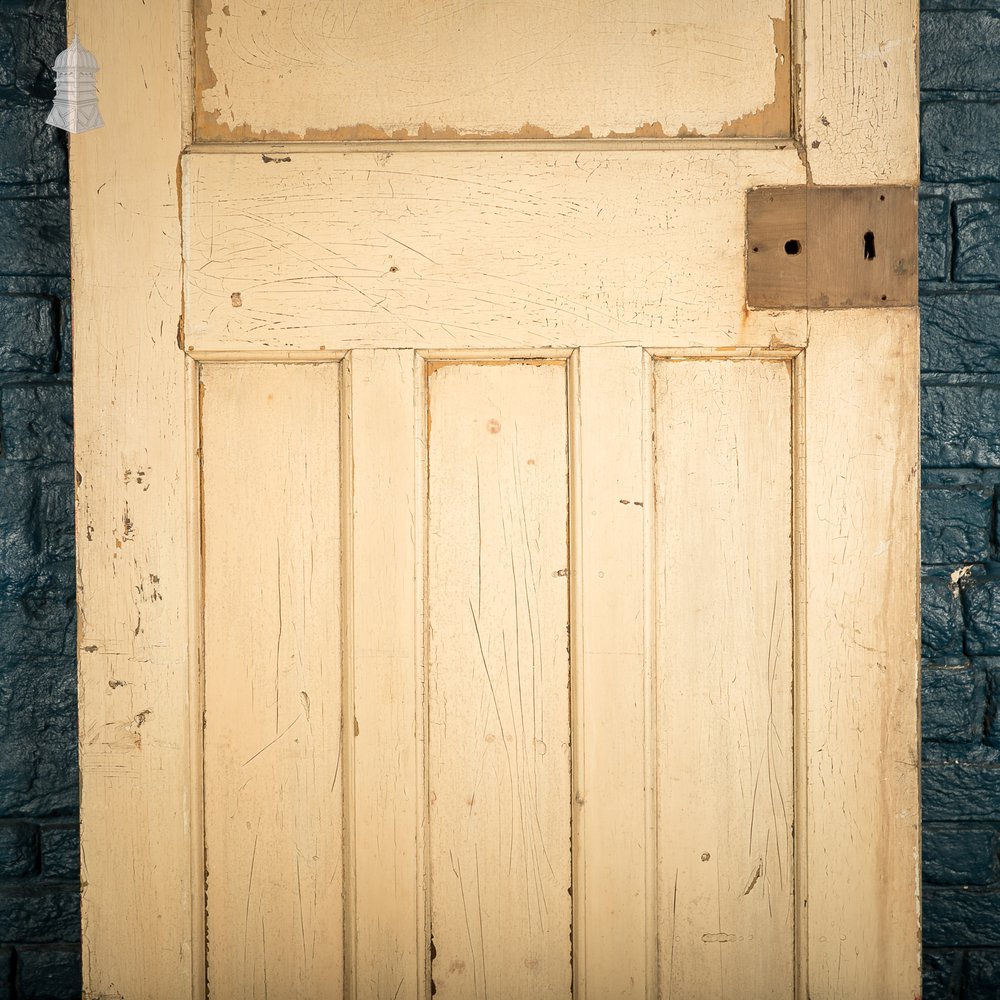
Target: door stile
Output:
{"points": [[650, 721], [385, 945], [609, 399], [577, 674], [800, 714], [862, 579], [195, 544], [130, 389], [348, 722]]}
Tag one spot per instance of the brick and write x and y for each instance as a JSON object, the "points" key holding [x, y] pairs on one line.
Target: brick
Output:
{"points": [[959, 5], [38, 762], [36, 422], [960, 854], [56, 512], [959, 917], [959, 50], [31, 152], [991, 669], [977, 241], [20, 540], [49, 973], [65, 337], [957, 140], [960, 333], [943, 974], [941, 619], [61, 852], [18, 849], [982, 974], [7, 959], [963, 789], [37, 623], [40, 915], [961, 425], [953, 703], [982, 612], [28, 334], [934, 238], [955, 526], [34, 32], [34, 236]]}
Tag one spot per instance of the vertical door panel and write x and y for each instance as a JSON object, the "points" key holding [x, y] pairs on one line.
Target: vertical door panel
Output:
{"points": [[498, 680], [272, 675], [724, 678]]}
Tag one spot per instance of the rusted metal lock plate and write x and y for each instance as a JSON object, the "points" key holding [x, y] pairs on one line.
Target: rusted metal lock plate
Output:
{"points": [[831, 247]]}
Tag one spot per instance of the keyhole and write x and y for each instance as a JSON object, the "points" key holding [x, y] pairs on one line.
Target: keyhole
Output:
{"points": [[792, 247], [869, 245]]}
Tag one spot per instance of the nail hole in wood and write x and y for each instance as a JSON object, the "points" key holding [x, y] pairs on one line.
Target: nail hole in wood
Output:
{"points": [[792, 247], [869, 245]]}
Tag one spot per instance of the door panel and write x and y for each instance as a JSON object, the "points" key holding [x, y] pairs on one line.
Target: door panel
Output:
{"points": [[724, 678], [272, 679], [304, 70], [498, 672]]}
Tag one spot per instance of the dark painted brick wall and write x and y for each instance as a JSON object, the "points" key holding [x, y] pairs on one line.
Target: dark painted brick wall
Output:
{"points": [[960, 341], [39, 845], [960, 266]]}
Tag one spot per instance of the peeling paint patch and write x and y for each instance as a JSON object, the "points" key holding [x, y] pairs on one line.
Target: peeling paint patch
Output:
{"points": [[774, 119]]}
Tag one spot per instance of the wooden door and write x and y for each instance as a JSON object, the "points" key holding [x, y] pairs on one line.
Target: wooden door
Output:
{"points": [[477, 597]]}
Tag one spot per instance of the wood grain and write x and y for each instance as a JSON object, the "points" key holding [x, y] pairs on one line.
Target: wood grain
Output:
{"points": [[723, 684], [298, 70], [861, 519], [831, 248], [457, 249], [498, 742], [273, 680]]}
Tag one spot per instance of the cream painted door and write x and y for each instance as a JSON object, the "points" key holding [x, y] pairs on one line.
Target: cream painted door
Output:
{"points": [[477, 598]]}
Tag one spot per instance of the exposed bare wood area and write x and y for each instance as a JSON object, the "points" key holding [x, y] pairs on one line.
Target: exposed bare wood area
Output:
{"points": [[392, 70], [498, 741], [724, 726], [831, 248]]}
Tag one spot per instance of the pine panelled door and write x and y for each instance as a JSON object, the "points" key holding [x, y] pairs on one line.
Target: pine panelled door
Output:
{"points": [[495, 580]]}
